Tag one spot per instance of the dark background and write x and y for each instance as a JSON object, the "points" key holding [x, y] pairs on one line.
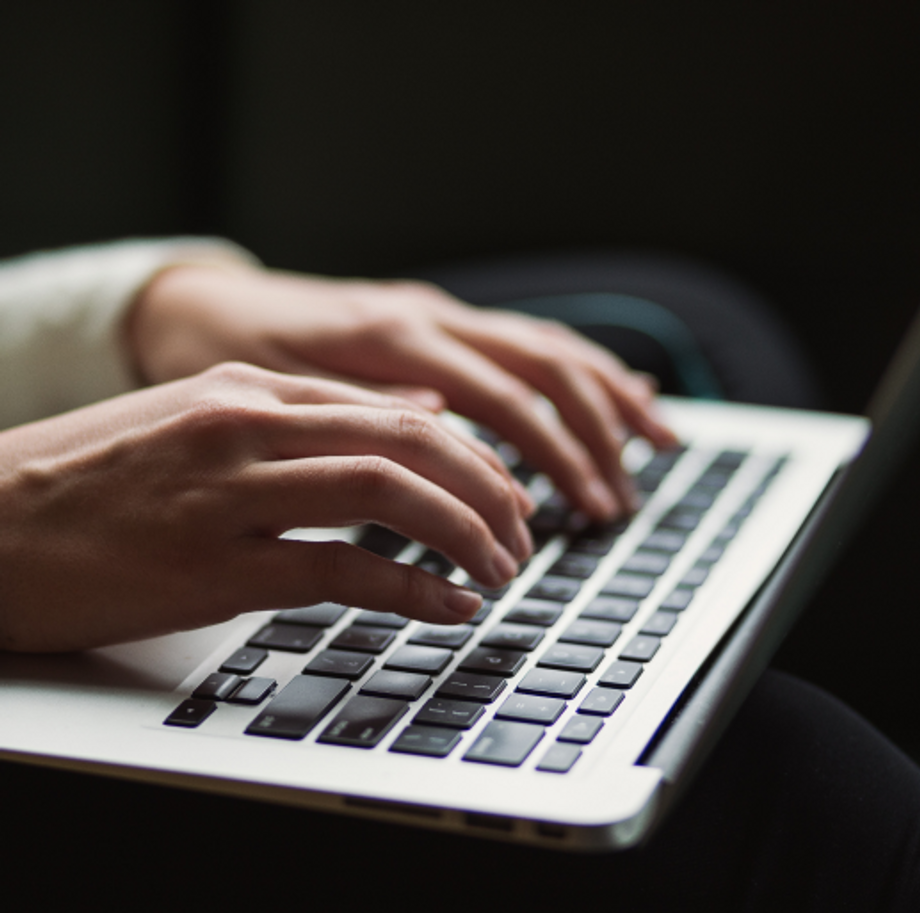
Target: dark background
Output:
{"points": [[777, 140]]}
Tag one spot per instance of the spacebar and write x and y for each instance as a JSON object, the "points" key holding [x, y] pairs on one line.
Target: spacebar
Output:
{"points": [[298, 707]]}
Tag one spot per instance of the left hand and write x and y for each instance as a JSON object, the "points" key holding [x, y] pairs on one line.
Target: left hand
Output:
{"points": [[413, 339]]}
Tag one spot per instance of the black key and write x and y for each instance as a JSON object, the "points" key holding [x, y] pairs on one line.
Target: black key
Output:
{"points": [[382, 541], [505, 742], [597, 540], [435, 563], [364, 638], [729, 531], [581, 729], [244, 661], [493, 661], [408, 686], [559, 758], [363, 722], [453, 714], [601, 702], [575, 564], [531, 708], [730, 459], [190, 713], [696, 576], [489, 593], [450, 637], [428, 660], [665, 540], [322, 615], [678, 600], [426, 740], [253, 691], [340, 663], [555, 589], [611, 608], [485, 610], [682, 519], [635, 586], [713, 553], [713, 479], [621, 674], [471, 687], [381, 620], [218, 686], [290, 638], [641, 648], [572, 657], [697, 499], [513, 637], [552, 683], [535, 612], [652, 563], [591, 632], [298, 707], [660, 624]]}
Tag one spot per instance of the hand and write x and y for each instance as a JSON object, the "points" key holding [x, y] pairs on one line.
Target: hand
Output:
{"points": [[161, 510], [491, 366]]}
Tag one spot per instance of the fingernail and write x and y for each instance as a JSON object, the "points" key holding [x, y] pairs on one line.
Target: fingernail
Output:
{"points": [[462, 602], [504, 565], [601, 497]]}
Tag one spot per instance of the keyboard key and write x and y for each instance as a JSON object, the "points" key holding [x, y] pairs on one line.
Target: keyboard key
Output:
{"points": [[485, 610], [471, 687], [504, 742], [559, 758], [408, 686], [218, 686], [289, 638], [364, 638], [591, 632], [555, 589], [682, 519], [298, 707], [575, 564], [730, 459], [660, 624], [244, 661], [621, 674], [253, 691], [322, 615], [597, 540], [611, 608], [697, 499], [427, 660], [340, 663], [552, 683], [601, 702], [665, 540], [531, 708], [513, 637], [572, 657], [651, 563], [382, 541], [450, 637], [581, 729], [493, 661], [426, 740], [190, 713], [363, 722], [381, 620], [696, 576], [453, 714], [677, 600], [535, 612], [435, 563], [712, 554], [635, 586], [641, 648]]}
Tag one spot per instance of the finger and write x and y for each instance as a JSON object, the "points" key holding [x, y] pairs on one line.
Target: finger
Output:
{"points": [[347, 491], [285, 574], [466, 468]]}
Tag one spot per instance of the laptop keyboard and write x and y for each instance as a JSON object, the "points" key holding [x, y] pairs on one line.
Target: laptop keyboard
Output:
{"points": [[366, 674]]}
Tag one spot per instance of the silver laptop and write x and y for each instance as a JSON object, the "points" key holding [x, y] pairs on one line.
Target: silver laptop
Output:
{"points": [[572, 709]]}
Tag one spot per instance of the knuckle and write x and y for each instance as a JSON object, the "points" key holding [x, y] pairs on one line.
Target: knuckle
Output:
{"points": [[372, 478], [413, 430]]}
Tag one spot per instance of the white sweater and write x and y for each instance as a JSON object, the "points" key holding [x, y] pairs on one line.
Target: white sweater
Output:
{"points": [[61, 316]]}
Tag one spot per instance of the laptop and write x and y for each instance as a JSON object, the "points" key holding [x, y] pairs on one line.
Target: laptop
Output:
{"points": [[569, 713]]}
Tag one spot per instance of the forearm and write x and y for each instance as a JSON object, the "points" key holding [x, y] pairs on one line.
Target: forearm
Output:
{"points": [[62, 316]]}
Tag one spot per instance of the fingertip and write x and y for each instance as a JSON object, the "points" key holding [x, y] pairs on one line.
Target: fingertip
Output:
{"points": [[461, 604]]}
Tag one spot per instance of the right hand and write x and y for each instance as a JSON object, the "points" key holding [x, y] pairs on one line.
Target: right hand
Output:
{"points": [[161, 510]]}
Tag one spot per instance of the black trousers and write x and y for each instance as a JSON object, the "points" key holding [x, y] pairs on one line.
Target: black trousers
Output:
{"points": [[801, 806]]}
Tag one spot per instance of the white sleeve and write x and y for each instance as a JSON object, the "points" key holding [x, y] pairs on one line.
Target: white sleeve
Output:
{"points": [[61, 317]]}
